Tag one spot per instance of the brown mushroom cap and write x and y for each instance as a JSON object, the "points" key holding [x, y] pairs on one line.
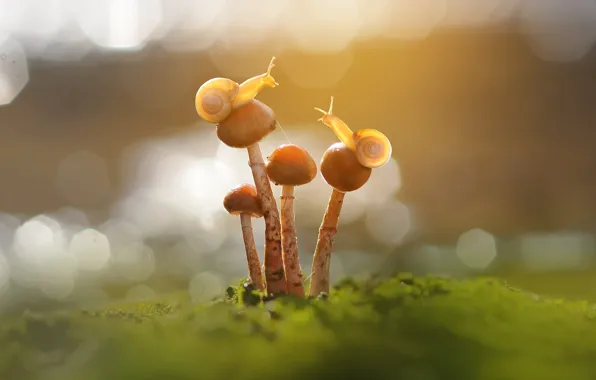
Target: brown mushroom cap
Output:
{"points": [[291, 165], [243, 199], [341, 170], [246, 125]]}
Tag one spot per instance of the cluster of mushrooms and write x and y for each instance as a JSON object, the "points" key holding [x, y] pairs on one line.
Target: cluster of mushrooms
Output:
{"points": [[242, 122]]}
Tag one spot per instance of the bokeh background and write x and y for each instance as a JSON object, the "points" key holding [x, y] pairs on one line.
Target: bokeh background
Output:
{"points": [[111, 184]]}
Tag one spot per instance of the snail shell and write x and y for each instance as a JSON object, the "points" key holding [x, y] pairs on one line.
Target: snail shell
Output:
{"points": [[214, 99], [373, 148]]}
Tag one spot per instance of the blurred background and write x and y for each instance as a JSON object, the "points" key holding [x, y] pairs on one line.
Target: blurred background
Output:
{"points": [[112, 185]]}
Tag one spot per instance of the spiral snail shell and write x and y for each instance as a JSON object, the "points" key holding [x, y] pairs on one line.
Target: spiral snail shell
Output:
{"points": [[218, 97], [373, 149], [214, 99]]}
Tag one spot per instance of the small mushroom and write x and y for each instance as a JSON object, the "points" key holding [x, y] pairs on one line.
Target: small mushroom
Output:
{"points": [[244, 128], [244, 201], [341, 169], [289, 166]]}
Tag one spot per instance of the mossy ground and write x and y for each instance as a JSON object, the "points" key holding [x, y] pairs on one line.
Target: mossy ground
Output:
{"points": [[393, 328]]}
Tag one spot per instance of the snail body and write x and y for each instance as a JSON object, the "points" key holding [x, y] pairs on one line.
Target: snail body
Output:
{"points": [[218, 97], [252, 86], [372, 148]]}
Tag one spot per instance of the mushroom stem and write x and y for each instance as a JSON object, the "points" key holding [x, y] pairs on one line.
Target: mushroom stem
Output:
{"points": [[319, 281], [274, 270], [290, 243], [252, 257]]}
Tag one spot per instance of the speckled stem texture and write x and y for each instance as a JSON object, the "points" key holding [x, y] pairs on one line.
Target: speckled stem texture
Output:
{"points": [[319, 280], [290, 243], [275, 280], [252, 257]]}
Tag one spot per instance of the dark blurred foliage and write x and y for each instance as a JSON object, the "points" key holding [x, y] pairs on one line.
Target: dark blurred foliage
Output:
{"points": [[486, 134]]}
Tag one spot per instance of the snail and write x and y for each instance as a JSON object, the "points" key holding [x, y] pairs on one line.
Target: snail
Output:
{"points": [[218, 97], [373, 149]]}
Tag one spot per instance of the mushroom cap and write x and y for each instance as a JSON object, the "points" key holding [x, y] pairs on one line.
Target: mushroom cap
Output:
{"points": [[291, 165], [243, 199], [246, 125], [341, 170]]}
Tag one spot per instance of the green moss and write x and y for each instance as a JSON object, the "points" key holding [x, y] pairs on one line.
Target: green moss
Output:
{"points": [[400, 327]]}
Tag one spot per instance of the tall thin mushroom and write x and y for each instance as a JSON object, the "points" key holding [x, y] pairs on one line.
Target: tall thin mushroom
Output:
{"points": [[242, 121], [346, 166], [342, 171], [244, 201], [244, 128], [289, 166]]}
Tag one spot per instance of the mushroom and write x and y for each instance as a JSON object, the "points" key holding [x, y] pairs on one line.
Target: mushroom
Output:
{"points": [[244, 201], [346, 166], [289, 166], [341, 169], [242, 121], [244, 128]]}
